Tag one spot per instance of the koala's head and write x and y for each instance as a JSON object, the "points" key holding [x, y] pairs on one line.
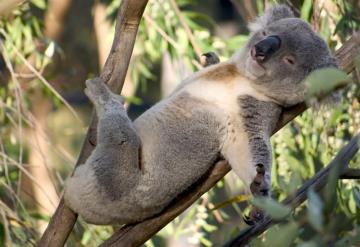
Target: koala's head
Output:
{"points": [[281, 52]]}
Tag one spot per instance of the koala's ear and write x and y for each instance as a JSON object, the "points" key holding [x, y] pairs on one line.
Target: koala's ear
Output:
{"points": [[272, 14]]}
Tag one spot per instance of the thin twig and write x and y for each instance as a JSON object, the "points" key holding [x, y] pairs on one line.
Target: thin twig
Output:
{"points": [[166, 37], [187, 29], [28, 174], [41, 78], [19, 100]]}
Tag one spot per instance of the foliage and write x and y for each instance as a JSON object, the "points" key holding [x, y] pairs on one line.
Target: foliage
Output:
{"points": [[18, 31], [299, 150]]}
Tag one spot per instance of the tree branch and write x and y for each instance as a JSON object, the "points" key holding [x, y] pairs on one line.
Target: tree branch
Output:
{"points": [[317, 182], [114, 72], [351, 174], [137, 234]]}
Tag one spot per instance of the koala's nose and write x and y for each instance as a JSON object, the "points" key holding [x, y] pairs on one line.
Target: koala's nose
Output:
{"points": [[266, 47]]}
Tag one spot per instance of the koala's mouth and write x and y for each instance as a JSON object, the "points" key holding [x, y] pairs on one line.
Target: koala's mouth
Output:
{"points": [[256, 56], [253, 65]]}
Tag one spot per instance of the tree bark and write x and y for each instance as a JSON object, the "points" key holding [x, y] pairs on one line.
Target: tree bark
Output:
{"points": [[114, 72]]}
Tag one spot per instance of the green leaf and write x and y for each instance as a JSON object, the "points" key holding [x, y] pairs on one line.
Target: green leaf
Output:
{"points": [[353, 239], [273, 208], [356, 194], [330, 189], [41, 4], [314, 210], [308, 244], [209, 228], [205, 241], [86, 238], [322, 81], [306, 9], [283, 235]]}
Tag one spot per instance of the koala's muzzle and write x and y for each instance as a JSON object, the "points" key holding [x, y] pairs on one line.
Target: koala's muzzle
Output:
{"points": [[265, 48]]}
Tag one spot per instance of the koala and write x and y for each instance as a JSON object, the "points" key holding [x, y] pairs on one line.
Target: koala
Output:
{"points": [[224, 111]]}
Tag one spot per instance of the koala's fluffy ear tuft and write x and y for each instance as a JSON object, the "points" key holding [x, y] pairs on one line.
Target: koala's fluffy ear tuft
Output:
{"points": [[272, 14]]}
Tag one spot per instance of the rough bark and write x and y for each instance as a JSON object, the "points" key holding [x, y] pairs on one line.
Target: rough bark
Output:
{"points": [[114, 72], [137, 234]]}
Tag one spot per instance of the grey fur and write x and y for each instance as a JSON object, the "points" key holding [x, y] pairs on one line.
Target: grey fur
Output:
{"points": [[138, 168], [259, 121]]}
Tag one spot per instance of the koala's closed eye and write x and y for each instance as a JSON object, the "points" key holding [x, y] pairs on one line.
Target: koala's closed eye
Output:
{"points": [[290, 60]]}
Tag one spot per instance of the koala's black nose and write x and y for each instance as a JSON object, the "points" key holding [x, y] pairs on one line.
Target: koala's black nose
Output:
{"points": [[266, 47]]}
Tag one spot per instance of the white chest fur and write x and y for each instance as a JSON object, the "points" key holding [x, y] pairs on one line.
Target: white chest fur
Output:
{"points": [[223, 95]]}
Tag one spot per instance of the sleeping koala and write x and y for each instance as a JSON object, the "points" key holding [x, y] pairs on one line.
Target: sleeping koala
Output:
{"points": [[227, 110]]}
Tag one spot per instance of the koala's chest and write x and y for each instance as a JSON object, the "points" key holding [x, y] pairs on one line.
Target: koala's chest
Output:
{"points": [[224, 96]]}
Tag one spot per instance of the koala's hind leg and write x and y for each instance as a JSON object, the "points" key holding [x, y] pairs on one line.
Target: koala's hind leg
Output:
{"points": [[99, 187]]}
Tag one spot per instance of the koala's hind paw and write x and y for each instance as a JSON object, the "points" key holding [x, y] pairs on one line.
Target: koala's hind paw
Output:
{"points": [[97, 91], [100, 95]]}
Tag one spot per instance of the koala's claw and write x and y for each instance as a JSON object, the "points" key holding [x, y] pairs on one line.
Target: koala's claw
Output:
{"points": [[259, 186], [256, 215], [248, 221]]}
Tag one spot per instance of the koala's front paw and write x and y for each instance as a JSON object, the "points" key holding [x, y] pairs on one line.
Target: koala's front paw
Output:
{"points": [[259, 187], [256, 215]]}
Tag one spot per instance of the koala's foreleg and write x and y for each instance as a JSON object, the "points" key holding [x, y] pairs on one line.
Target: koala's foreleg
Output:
{"points": [[252, 158]]}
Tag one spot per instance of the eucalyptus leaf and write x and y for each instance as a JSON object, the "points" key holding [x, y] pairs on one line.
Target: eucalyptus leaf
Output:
{"points": [[86, 238], [322, 81], [306, 9], [273, 208], [314, 210], [330, 189], [282, 235], [308, 244], [356, 194], [41, 4]]}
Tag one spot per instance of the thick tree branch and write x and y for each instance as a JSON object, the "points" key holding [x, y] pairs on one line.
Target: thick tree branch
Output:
{"points": [[114, 72], [317, 182], [137, 234]]}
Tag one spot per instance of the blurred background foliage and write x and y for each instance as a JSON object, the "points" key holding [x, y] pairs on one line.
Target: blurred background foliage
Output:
{"points": [[49, 48]]}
